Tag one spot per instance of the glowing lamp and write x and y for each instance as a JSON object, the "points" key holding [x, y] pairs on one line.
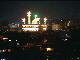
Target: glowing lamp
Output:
{"points": [[49, 49], [36, 16]]}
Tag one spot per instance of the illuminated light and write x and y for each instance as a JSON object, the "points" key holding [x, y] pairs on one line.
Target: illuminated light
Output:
{"points": [[44, 28], [45, 19], [30, 25], [9, 40], [69, 21], [36, 16], [16, 40], [33, 27], [44, 25], [68, 24], [0, 51], [29, 14], [45, 41], [47, 59], [36, 20], [18, 25], [3, 59], [5, 38], [23, 20], [9, 50], [77, 57], [30, 29], [3, 50], [66, 39], [72, 58], [49, 49], [56, 29], [18, 44], [61, 20]]}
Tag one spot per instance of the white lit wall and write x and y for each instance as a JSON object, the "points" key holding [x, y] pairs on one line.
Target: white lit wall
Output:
{"points": [[30, 29], [33, 27]]}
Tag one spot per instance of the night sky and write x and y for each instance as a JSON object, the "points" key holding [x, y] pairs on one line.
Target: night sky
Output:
{"points": [[14, 10]]}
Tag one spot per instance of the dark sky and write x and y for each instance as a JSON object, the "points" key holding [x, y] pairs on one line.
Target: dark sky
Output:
{"points": [[13, 10]]}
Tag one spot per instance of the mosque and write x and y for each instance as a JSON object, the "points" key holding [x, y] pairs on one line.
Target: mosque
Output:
{"points": [[35, 24]]}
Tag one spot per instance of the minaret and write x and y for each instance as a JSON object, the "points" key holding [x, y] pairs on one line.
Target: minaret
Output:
{"points": [[45, 20], [29, 14], [23, 20]]}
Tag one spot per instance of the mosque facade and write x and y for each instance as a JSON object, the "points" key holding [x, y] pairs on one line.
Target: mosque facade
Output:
{"points": [[35, 24]]}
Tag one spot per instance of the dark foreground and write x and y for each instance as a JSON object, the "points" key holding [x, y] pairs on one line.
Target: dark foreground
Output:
{"points": [[32, 46]]}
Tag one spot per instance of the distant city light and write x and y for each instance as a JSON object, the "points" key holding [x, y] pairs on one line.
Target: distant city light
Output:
{"points": [[16, 40], [45, 41], [68, 24], [77, 57], [56, 29], [9, 40], [47, 59], [17, 43], [49, 49], [5, 38], [72, 58], [65, 39], [9, 50], [61, 20], [3, 59], [45, 19]]}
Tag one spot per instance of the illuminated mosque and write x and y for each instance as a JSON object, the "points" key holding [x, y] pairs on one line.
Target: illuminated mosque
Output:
{"points": [[35, 24]]}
